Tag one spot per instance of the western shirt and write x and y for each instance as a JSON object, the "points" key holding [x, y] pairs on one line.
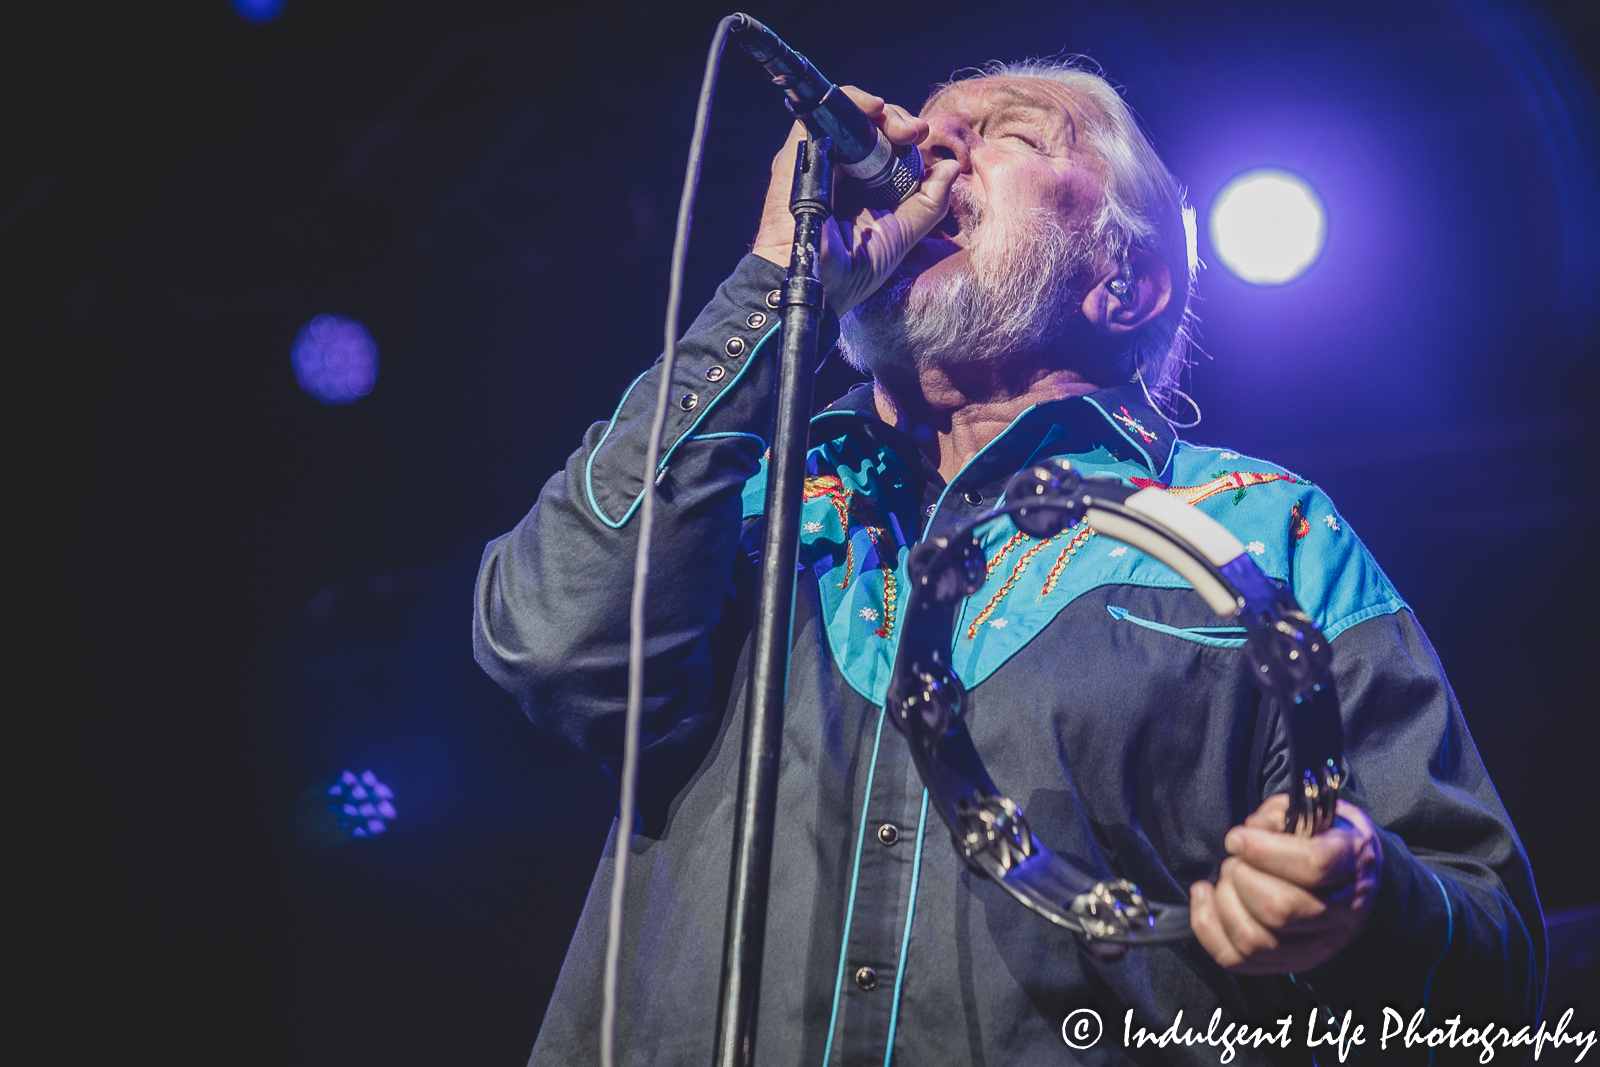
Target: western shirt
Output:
{"points": [[1106, 699]]}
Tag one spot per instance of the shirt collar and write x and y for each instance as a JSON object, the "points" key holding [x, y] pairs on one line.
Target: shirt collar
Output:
{"points": [[1118, 417]]}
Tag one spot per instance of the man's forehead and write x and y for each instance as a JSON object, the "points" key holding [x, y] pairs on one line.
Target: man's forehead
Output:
{"points": [[1006, 90]]}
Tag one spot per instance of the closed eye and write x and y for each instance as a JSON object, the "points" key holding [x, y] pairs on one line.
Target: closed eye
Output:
{"points": [[1026, 136]]}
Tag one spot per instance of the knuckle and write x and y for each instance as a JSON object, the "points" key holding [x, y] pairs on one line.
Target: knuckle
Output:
{"points": [[1254, 941], [1277, 911]]}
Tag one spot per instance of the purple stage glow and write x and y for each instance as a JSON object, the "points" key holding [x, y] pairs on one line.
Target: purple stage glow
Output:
{"points": [[335, 359], [258, 10], [363, 805], [1267, 226]]}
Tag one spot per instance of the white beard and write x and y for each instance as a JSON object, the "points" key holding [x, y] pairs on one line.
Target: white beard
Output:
{"points": [[1013, 294]]}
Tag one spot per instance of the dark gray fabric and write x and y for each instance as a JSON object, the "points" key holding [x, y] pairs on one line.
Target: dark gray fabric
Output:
{"points": [[1132, 751]]}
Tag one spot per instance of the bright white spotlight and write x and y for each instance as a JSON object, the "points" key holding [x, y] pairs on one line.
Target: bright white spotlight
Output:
{"points": [[1267, 226]]}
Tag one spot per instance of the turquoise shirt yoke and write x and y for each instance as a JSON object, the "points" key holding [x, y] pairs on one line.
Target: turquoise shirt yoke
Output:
{"points": [[859, 519]]}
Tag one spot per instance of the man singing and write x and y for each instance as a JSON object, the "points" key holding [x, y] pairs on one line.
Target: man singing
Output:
{"points": [[1028, 301]]}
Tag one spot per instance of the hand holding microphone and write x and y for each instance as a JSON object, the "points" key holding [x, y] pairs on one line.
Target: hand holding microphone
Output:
{"points": [[860, 247]]}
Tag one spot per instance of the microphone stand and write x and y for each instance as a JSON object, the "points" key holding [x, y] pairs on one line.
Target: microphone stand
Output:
{"points": [[811, 203]]}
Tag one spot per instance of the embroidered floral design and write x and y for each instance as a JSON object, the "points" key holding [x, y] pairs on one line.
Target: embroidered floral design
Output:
{"points": [[998, 624], [1135, 425], [1118, 552], [1016, 572], [845, 504], [1078, 541], [1298, 525], [1255, 548], [813, 527], [888, 605], [1229, 455], [1015, 540], [832, 487], [869, 614], [1333, 523], [1222, 482], [1082, 535]]}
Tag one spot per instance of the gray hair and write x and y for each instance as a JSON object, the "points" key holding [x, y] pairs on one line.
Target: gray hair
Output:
{"points": [[1143, 208]]}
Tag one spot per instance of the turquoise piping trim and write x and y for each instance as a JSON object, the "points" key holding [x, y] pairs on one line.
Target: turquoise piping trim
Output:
{"points": [[666, 457], [905, 938], [975, 457], [1389, 606], [721, 434], [1200, 635], [1449, 935], [588, 464], [855, 875]]}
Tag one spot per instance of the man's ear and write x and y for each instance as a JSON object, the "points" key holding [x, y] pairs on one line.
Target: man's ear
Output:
{"points": [[1131, 297]]}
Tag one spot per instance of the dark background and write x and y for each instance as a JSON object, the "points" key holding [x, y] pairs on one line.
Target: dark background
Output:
{"points": [[280, 590]]}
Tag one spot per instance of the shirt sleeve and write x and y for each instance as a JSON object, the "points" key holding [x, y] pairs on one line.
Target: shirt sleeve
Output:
{"points": [[550, 620], [1456, 928]]}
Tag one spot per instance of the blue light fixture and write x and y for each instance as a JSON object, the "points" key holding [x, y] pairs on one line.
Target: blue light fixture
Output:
{"points": [[335, 359], [363, 806], [258, 10]]}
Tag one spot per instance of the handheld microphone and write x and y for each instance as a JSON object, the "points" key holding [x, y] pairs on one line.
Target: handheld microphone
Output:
{"points": [[888, 173]]}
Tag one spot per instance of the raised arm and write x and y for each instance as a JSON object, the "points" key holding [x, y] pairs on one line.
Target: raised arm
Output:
{"points": [[551, 615]]}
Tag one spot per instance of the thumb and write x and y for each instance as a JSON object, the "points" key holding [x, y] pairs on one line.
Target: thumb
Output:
{"points": [[924, 208]]}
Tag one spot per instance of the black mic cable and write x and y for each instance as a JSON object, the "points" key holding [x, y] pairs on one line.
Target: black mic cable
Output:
{"points": [[890, 175], [887, 173]]}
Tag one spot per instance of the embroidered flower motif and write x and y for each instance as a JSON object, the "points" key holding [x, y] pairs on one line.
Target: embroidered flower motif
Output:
{"points": [[1230, 455], [1333, 523], [1255, 547], [846, 504], [870, 614], [813, 527], [1135, 425], [1297, 522], [998, 624], [1119, 551]]}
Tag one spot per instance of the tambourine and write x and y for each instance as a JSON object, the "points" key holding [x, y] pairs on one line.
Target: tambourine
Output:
{"points": [[1285, 655]]}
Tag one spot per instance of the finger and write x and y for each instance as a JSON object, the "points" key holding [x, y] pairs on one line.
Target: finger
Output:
{"points": [[1207, 928], [870, 105], [902, 127], [1327, 859], [1358, 819], [1246, 934], [897, 124], [920, 212], [1277, 905], [1271, 814]]}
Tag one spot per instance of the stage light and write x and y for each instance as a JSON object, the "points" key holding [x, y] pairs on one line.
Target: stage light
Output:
{"points": [[335, 359], [362, 805], [258, 10], [1267, 226]]}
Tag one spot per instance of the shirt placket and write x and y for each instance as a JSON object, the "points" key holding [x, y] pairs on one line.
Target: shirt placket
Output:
{"points": [[886, 854]]}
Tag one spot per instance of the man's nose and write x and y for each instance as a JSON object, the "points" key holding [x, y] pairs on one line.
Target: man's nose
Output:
{"points": [[949, 137]]}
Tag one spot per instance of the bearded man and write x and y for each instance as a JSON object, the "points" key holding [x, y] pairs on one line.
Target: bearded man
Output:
{"points": [[1028, 301]]}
